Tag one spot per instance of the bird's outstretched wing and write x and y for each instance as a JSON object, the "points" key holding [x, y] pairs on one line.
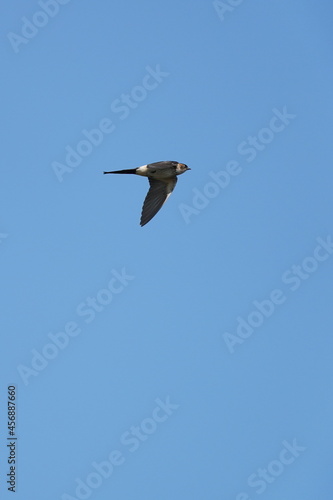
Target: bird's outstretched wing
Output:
{"points": [[157, 195]]}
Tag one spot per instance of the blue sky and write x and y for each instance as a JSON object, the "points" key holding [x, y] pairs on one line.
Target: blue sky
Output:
{"points": [[190, 358]]}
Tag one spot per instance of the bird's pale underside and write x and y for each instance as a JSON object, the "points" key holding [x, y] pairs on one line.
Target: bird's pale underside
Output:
{"points": [[162, 177]]}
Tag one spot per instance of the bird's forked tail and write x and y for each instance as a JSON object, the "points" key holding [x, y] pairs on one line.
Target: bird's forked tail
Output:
{"points": [[128, 171]]}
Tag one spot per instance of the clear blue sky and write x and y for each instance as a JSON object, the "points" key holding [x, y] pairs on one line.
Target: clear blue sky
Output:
{"points": [[190, 358]]}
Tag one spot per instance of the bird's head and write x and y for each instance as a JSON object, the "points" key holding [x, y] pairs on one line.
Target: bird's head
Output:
{"points": [[181, 168]]}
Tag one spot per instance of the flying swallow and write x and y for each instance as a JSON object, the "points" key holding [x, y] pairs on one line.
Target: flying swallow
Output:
{"points": [[162, 177]]}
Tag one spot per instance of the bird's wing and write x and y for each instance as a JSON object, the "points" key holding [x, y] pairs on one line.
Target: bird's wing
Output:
{"points": [[157, 195]]}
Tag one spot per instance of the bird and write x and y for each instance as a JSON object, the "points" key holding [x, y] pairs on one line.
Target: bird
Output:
{"points": [[162, 177]]}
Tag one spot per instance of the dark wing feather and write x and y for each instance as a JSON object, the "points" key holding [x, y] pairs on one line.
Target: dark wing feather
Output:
{"points": [[157, 195]]}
